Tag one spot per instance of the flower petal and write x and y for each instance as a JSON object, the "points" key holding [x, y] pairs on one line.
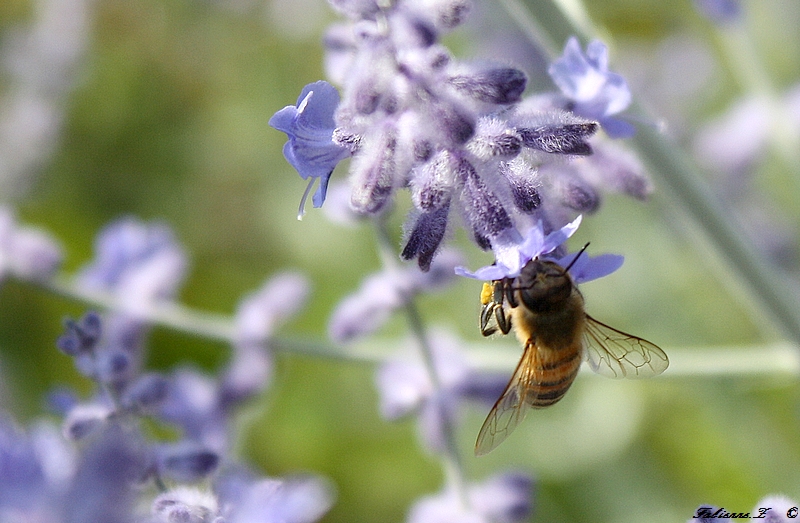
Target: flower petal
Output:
{"points": [[588, 268]]}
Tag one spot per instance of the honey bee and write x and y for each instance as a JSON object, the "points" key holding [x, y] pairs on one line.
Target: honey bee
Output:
{"points": [[546, 310]]}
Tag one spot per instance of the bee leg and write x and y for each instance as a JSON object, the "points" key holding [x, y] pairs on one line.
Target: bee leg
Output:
{"points": [[503, 321], [486, 315], [509, 294]]}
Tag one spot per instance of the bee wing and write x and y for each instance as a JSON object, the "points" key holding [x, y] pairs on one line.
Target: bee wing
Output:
{"points": [[617, 354], [510, 409]]}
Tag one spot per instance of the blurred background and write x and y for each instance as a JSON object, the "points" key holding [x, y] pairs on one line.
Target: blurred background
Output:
{"points": [[159, 109]]}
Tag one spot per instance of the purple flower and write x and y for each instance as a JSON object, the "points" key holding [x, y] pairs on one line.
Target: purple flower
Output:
{"points": [[405, 388], [185, 505], [380, 294], [512, 258], [193, 403], [185, 461], [593, 90], [509, 264], [720, 11], [503, 498], [257, 317], [298, 499], [588, 268], [139, 263], [311, 149], [280, 298], [26, 252]]}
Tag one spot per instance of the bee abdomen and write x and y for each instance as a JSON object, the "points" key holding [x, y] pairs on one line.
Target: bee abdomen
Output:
{"points": [[555, 374]]}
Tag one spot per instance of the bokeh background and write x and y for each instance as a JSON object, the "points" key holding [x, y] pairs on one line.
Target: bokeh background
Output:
{"points": [[161, 112]]}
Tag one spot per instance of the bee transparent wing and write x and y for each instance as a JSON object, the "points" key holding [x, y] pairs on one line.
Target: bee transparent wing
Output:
{"points": [[617, 354], [510, 409]]}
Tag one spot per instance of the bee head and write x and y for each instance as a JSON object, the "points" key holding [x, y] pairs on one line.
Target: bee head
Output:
{"points": [[543, 285]]}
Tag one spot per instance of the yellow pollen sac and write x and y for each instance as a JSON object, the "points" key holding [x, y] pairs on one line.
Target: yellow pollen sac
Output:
{"points": [[487, 293]]}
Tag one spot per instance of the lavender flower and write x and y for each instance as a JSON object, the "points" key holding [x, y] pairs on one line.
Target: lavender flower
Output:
{"points": [[257, 318], [405, 388], [509, 264], [185, 505], [138, 263], [593, 91], [299, 499], [310, 126], [381, 294], [503, 498], [26, 252], [720, 11], [42, 478], [185, 461], [459, 135], [539, 245]]}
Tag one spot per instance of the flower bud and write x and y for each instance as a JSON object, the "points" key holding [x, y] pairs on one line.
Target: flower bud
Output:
{"points": [[187, 461], [497, 86], [426, 235], [559, 139], [483, 208], [374, 174], [84, 419]]}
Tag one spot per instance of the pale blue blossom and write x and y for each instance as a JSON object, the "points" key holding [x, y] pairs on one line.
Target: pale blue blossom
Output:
{"points": [[311, 149], [593, 91]]}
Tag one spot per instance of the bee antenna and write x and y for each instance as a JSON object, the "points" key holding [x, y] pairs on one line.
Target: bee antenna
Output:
{"points": [[576, 257]]}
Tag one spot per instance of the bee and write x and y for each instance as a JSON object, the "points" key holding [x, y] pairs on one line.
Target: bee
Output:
{"points": [[546, 310]]}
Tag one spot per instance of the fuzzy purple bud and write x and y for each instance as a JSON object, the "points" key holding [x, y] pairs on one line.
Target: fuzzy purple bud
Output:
{"points": [[524, 184], [113, 366], [85, 419], [485, 212], [576, 194], [374, 175], [185, 505], [26, 252], [281, 297], [81, 336], [560, 139], [426, 236], [494, 139], [432, 183], [501, 86], [146, 393], [455, 123], [186, 461]]}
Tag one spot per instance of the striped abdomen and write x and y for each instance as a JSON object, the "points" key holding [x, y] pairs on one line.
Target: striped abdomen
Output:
{"points": [[553, 372]]}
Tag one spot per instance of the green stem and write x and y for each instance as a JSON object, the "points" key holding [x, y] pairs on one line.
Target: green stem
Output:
{"points": [[203, 324], [731, 361], [451, 458], [453, 469]]}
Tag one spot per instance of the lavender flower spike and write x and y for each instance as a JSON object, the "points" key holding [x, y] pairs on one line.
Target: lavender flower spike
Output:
{"points": [[512, 259], [311, 149], [594, 91]]}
